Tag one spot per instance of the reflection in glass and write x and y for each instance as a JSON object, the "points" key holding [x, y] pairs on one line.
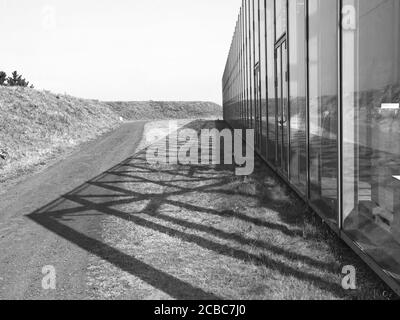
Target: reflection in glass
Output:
{"points": [[282, 108], [251, 64], [256, 32], [237, 77], [281, 14], [278, 95], [257, 78], [371, 128], [243, 68], [246, 57], [298, 110], [263, 70], [271, 82], [323, 105]]}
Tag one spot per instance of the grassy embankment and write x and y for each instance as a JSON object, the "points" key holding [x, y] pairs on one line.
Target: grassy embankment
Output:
{"points": [[37, 126]]}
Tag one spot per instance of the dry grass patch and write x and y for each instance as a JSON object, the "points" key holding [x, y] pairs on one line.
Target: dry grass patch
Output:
{"points": [[36, 126]]}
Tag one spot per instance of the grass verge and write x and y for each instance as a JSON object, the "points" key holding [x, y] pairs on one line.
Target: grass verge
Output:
{"points": [[231, 237]]}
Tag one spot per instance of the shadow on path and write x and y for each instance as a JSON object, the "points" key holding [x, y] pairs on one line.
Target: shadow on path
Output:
{"points": [[106, 194]]}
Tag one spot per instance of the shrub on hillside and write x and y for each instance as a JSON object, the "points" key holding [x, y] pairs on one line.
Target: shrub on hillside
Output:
{"points": [[3, 78], [15, 80]]}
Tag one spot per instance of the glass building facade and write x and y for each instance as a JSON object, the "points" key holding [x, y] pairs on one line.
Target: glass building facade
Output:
{"points": [[319, 82]]}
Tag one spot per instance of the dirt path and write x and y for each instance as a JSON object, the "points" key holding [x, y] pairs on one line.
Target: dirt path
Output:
{"points": [[26, 247]]}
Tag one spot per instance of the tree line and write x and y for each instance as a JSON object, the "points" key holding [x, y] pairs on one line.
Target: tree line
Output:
{"points": [[16, 80]]}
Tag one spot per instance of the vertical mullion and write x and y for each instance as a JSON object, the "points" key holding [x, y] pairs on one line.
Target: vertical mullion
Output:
{"points": [[340, 115], [307, 32]]}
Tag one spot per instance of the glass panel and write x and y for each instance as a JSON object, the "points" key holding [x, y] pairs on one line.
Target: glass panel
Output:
{"points": [[271, 82], [233, 80], [280, 18], [251, 68], [371, 128], [257, 91], [285, 113], [237, 117], [282, 103], [263, 70], [279, 104], [251, 62], [237, 62], [242, 114], [246, 56], [298, 110], [257, 115], [256, 33], [323, 104], [244, 39]]}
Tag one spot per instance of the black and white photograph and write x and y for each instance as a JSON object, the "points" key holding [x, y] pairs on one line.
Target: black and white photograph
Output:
{"points": [[199, 155]]}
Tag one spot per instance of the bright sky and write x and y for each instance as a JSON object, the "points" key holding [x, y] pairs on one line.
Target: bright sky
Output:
{"points": [[120, 49]]}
